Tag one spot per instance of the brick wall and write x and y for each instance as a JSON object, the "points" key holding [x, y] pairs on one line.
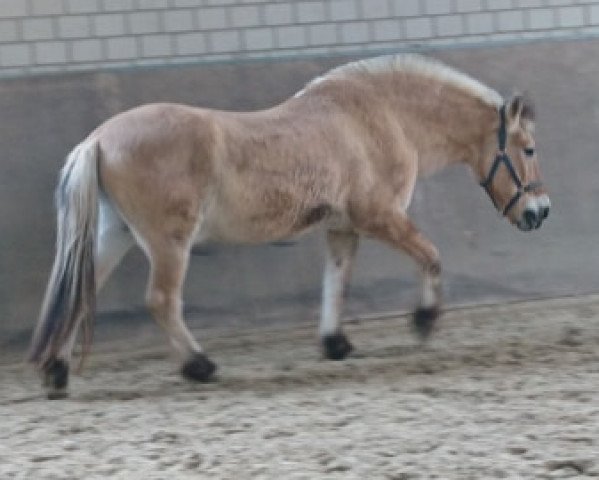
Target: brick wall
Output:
{"points": [[39, 36]]}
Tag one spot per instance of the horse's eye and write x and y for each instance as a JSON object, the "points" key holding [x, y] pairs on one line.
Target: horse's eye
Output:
{"points": [[529, 152]]}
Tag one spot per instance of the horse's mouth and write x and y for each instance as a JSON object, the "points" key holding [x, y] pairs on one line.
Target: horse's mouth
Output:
{"points": [[526, 224], [525, 227]]}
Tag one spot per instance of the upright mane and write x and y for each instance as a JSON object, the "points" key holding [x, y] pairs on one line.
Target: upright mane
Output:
{"points": [[418, 65]]}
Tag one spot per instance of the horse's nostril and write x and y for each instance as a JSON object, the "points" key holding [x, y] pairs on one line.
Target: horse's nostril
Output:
{"points": [[544, 212], [531, 218]]}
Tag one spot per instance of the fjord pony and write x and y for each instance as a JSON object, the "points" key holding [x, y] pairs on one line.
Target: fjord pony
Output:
{"points": [[344, 152]]}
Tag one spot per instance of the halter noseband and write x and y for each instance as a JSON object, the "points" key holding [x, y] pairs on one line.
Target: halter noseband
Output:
{"points": [[503, 157]]}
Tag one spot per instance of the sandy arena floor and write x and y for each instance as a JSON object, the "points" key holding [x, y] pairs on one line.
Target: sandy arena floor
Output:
{"points": [[499, 392]]}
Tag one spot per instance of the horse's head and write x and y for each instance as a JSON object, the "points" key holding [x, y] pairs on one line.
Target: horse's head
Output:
{"points": [[510, 174]]}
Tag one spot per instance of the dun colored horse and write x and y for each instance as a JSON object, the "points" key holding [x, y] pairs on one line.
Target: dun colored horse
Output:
{"points": [[344, 152]]}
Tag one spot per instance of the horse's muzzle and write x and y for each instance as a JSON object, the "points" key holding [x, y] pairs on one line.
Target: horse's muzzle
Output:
{"points": [[534, 214]]}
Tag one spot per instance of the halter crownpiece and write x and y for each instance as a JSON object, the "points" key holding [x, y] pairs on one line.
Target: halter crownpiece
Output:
{"points": [[503, 157]]}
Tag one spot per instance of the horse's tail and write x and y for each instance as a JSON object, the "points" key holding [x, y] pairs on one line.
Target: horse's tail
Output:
{"points": [[71, 292]]}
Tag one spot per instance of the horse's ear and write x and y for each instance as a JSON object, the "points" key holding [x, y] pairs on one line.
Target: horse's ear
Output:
{"points": [[519, 107], [514, 108]]}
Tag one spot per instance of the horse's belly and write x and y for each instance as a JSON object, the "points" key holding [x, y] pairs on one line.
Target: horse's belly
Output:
{"points": [[221, 224]]}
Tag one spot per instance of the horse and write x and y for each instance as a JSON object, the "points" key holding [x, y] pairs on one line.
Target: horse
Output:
{"points": [[344, 152]]}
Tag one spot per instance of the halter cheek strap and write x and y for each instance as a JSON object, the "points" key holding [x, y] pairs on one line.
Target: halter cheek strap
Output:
{"points": [[503, 158]]}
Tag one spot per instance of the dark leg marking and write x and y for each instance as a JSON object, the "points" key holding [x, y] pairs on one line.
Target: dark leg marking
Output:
{"points": [[423, 321], [56, 379], [336, 346], [199, 368]]}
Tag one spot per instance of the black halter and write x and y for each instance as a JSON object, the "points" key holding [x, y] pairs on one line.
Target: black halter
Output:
{"points": [[503, 157]]}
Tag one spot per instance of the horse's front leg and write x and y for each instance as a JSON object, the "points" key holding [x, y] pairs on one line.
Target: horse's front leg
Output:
{"points": [[341, 250], [396, 229], [430, 301]]}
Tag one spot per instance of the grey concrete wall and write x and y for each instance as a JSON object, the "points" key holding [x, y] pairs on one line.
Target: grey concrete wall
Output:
{"points": [[485, 259], [39, 36]]}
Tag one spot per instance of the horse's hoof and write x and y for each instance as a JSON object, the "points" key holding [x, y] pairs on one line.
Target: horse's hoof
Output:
{"points": [[199, 368], [56, 379], [423, 321], [57, 394], [336, 346]]}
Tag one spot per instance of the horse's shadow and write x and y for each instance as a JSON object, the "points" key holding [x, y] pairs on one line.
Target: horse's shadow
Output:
{"points": [[270, 380]]}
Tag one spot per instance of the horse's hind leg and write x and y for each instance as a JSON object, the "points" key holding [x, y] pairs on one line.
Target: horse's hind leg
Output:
{"points": [[341, 251], [169, 260], [113, 242]]}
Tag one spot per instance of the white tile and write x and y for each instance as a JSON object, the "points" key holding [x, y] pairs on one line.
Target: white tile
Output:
{"points": [[278, 14], [259, 38], [212, 18], [224, 41], [322, 34], [13, 8], [244, 16], [376, 9], [418, 28], [118, 5], [8, 30], [541, 18], [385, 30], [499, 4], [50, 52], [109, 25], [311, 12], [38, 28], [406, 8], [45, 7], [83, 6], [190, 43], [121, 48], [144, 22], [449, 25], [355, 32], [156, 45], [291, 36], [479, 23], [469, 5], [74, 26], [151, 4], [178, 20], [570, 16], [510, 21], [343, 10], [15, 55], [437, 7], [87, 50]]}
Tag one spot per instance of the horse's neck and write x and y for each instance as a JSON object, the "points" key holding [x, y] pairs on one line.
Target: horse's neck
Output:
{"points": [[443, 149], [446, 134], [443, 125]]}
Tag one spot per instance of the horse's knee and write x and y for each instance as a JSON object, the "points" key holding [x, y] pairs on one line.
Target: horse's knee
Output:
{"points": [[161, 304], [56, 379], [336, 346]]}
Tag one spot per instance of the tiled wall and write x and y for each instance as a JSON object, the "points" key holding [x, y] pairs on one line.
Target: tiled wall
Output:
{"points": [[59, 35]]}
